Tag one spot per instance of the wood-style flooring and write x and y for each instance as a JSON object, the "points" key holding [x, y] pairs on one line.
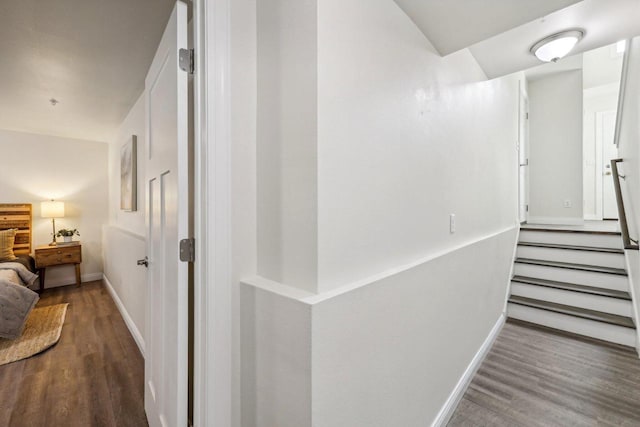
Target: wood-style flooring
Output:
{"points": [[534, 376], [93, 376]]}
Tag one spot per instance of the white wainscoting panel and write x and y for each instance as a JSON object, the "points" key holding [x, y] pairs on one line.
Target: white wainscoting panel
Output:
{"points": [[398, 350], [125, 280]]}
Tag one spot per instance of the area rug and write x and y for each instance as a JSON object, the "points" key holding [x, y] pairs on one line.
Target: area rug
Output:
{"points": [[41, 331]]}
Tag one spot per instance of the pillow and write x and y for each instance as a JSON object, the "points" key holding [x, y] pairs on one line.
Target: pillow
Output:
{"points": [[7, 238]]}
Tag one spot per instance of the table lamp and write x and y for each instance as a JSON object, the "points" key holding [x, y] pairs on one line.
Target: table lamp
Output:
{"points": [[52, 209]]}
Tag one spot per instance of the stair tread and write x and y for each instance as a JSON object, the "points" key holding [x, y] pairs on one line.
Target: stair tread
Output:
{"points": [[564, 230], [584, 313], [593, 290], [572, 247], [573, 266]]}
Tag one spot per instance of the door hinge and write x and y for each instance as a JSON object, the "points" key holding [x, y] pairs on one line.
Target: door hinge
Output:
{"points": [[527, 208], [527, 116], [186, 60], [188, 250]]}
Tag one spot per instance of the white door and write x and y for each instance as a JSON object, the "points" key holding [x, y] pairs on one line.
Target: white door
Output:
{"points": [[605, 130], [167, 216], [523, 160]]}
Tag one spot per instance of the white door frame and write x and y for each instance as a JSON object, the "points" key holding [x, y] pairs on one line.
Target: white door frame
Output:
{"points": [[167, 177], [212, 219], [595, 101], [601, 167], [523, 139]]}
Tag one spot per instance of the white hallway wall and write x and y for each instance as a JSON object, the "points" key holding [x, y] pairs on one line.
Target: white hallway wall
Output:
{"points": [[34, 168], [555, 149], [124, 235], [243, 82], [601, 69], [287, 149], [404, 138], [629, 151]]}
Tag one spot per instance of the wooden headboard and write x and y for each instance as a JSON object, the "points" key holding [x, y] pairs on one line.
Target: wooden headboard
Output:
{"points": [[17, 215]]}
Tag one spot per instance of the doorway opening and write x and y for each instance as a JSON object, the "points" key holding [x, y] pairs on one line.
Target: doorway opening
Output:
{"points": [[570, 144]]}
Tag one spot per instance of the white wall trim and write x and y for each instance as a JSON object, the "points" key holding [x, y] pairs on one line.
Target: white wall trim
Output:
{"points": [[548, 220], [213, 329], [278, 288], [396, 270], [511, 268], [137, 336], [451, 404], [311, 299]]}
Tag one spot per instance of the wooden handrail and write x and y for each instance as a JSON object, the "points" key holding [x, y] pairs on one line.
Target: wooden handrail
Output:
{"points": [[624, 227]]}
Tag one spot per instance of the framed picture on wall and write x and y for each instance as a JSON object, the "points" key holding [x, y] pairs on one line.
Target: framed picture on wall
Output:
{"points": [[128, 175]]}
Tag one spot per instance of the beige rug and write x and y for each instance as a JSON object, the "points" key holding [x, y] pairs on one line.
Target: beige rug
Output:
{"points": [[41, 331]]}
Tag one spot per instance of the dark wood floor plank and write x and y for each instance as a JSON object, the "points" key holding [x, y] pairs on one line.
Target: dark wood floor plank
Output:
{"points": [[534, 376], [482, 417], [94, 376], [8, 395]]}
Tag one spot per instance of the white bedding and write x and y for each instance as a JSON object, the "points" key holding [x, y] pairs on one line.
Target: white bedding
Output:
{"points": [[16, 300], [10, 276], [17, 273]]}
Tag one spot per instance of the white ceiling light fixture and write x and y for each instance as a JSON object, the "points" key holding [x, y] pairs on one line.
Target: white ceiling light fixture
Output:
{"points": [[556, 46]]}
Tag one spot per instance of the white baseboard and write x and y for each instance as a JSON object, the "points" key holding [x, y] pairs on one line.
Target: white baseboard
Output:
{"points": [[451, 404], [137, 336], [548, 220]]}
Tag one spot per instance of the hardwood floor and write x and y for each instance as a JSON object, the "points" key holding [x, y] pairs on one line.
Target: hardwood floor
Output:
{"points": [[94, 376], [534, 376]]}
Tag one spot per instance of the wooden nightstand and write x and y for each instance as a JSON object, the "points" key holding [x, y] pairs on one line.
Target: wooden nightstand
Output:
{"points": [[50, 256]]}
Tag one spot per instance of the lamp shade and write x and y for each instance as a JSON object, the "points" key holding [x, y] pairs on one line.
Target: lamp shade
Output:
{"points": [[51, 209], [556, 46]]}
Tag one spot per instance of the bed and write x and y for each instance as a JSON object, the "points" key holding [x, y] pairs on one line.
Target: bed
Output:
{"points": [[17, 269]]}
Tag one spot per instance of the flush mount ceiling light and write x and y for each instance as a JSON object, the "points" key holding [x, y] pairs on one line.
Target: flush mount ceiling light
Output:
{"points": [[556, 46]]}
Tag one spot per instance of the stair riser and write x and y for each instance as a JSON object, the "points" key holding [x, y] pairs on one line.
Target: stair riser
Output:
{"points": [[576, 325], [574, 299], [588, 278], [600, 259], [576, 239]]}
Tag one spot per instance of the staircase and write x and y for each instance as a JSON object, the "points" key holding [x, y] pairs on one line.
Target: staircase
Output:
{"points": [[574, 280]]}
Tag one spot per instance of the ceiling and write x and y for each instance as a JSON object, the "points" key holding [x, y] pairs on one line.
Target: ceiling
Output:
{"points": [[499, 33], [604, 22], [600, 67], [91, 55], [452, 25]]}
